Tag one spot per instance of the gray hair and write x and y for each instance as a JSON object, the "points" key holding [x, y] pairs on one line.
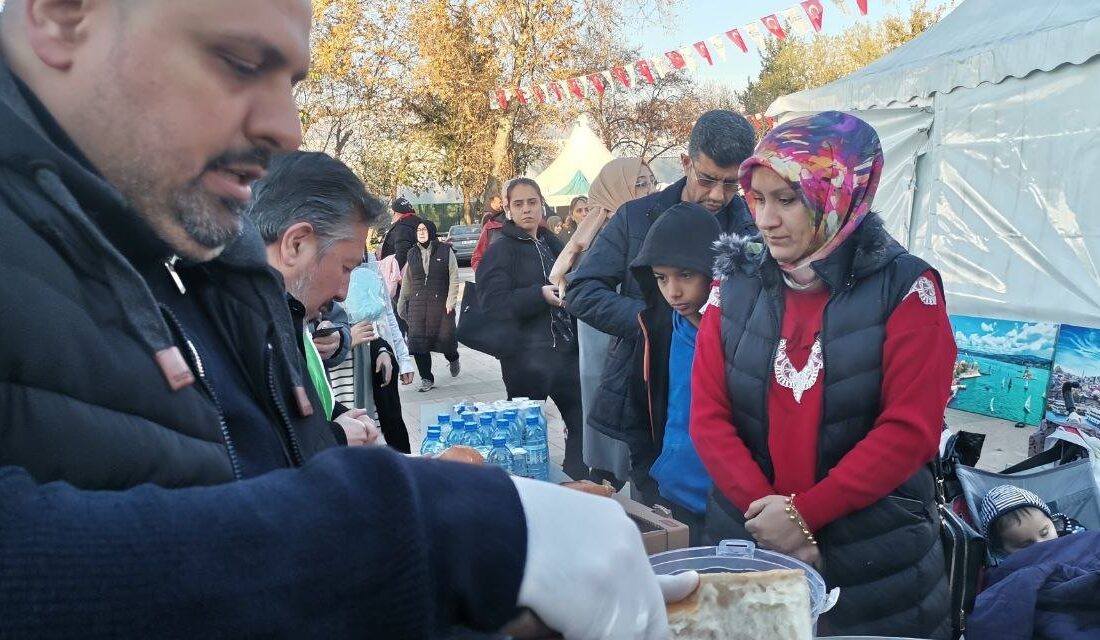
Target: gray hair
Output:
{"points": [[315, 188], [725, 137]]}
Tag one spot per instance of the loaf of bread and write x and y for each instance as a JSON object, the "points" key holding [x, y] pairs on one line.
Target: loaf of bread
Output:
{"points": [[587, 486], [745, 606]]}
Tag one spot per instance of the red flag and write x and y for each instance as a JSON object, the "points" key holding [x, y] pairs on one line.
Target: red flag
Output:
{"points": [[597, 81], [735, 37], [575, 88], [502, 98], [555, 86], [701, 47], [539, 94], [643, 68], [620, 75], [771, 23], [862, 4], [814, 11], [676, 59], [520, 96], [771, 122]]}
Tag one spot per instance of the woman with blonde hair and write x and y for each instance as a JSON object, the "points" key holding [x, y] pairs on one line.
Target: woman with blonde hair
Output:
{"points": [[619, 181]]}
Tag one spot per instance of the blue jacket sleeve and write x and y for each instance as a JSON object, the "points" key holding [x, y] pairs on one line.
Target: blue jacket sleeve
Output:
{"points": [[592, 294], [497, 290], [339, 317], [360, 542]]}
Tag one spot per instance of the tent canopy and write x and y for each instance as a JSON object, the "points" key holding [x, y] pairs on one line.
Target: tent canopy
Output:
{"points": [[583, 155], [578, 185], [991, 135], [980, 41]]}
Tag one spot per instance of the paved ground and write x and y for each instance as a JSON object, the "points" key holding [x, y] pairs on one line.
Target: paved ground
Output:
{"points": [[480, 381]]}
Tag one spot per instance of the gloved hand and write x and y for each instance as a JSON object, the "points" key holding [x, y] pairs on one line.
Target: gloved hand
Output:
{"points": [[587, 575]]}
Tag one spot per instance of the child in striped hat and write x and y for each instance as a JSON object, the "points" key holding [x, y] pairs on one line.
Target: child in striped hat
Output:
{"points": [[1013, 519]]}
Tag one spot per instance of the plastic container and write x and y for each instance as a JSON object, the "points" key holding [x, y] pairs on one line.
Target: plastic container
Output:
{"points": [[500, 454], [742, 556], [433, 445]]}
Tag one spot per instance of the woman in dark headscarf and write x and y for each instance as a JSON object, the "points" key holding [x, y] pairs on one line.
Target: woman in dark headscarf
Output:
{"points": [[821, 374], [429, 294]]}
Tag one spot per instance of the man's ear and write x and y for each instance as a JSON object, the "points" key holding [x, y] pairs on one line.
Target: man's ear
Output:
{"points": [[685, 160], [55, 28], [299, 243]]}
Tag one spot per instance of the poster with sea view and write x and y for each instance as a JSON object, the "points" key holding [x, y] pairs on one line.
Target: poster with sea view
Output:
{"points": [[1075, 379], [1003, 368]]}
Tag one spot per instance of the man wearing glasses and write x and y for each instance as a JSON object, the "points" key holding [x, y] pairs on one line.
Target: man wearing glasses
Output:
{"points": [[604, 293]]}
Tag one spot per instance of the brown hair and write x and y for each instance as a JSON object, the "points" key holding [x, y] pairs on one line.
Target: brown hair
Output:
{"points": [[508, 186], [574, 201]]}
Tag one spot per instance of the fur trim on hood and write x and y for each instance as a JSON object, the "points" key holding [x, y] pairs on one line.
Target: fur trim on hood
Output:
{"points": [[737, 253]]}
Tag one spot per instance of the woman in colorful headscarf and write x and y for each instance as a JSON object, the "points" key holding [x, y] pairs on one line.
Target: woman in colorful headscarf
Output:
{"points": [[821, 374], [619, 181]]}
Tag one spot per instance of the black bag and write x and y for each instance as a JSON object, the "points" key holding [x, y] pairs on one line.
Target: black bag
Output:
{"points": [[964, 552], [482, 332]]}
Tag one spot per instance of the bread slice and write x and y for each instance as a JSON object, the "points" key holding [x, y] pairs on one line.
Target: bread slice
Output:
{"points": [[745, 606]]}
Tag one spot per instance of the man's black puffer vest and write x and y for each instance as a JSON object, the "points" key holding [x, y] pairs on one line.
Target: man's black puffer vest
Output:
{"points": [[887, 559]]}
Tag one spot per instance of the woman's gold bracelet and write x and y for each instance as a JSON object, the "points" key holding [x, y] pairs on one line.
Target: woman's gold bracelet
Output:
{"points": [[794, 515]]}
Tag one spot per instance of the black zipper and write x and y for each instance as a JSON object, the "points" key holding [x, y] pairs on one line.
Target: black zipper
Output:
{"points": [[284, 415], [195, 361]]}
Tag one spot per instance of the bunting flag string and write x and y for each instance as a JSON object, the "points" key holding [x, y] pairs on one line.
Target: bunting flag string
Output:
{"points": [[803, 18]]}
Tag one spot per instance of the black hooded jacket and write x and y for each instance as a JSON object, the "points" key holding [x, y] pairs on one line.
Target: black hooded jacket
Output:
{"points": [[100, 385]]}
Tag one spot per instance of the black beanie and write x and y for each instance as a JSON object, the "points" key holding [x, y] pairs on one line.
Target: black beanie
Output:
{"points": [[683, 237]]}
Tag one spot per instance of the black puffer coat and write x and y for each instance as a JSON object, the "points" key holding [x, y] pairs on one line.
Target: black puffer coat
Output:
{"points": [[431, 327], [94, 378], [510, 279], [604, 293], [887, 558]]}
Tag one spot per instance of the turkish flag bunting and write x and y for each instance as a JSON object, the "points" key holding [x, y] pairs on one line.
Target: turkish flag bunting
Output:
{"points": [[735, 37], [701, 47], [597, 82], [676, 59], [771, 23], [555, 87], [814, 11], [643, 68], [502, 98], [620, 75], [520, 96], [537, 90], [575, 88], [862, 4]]}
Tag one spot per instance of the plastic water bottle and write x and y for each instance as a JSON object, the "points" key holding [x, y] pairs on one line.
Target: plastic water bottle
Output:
{"points": [[472, 438], [487, 426], [512, 416], [538, 454], [508, 428], [433, 445], [519, 462], [500, 454], [444, 422], [457, 434]]}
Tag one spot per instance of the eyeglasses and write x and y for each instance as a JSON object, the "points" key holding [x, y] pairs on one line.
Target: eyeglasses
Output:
{"points": [[708, 183], [642, 183]]}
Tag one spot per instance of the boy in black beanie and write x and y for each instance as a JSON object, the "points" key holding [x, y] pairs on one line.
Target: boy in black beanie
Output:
{"points": [[674, 270]]}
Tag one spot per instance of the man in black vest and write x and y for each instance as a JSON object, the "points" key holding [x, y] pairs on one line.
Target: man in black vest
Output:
{"points": [[604, 293], [132, 133]]}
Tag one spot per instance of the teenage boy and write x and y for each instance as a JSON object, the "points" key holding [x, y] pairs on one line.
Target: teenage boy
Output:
{"points": [[674, 270]]}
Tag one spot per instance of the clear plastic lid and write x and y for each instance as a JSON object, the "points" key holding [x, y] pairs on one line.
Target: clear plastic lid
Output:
{"points": [[741, 556]]}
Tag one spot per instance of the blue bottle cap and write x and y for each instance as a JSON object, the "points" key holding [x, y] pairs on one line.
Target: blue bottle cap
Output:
{"points": [[444, 418], [471, 426], [499, 440], [532, 419]]}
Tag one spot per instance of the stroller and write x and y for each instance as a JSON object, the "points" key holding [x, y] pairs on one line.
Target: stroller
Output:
{"points": [[1062, 475]]}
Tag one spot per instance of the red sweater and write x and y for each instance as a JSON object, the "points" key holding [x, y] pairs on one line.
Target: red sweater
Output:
{"points": [[918, 356]]}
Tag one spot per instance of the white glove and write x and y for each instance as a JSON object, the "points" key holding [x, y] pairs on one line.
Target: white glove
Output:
{"points": [[587, 575]]}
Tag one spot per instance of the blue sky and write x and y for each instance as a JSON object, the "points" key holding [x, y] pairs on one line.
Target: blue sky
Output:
{"points": [[1005, 336], [695, 20], [1079, 350]]}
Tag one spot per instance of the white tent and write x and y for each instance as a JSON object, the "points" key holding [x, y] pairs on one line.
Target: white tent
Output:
{"points": [[581, 158], [990, 122]]}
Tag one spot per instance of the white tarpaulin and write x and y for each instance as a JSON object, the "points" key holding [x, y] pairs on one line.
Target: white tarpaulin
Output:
{"points": [[991, 132], [582, 152]]}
